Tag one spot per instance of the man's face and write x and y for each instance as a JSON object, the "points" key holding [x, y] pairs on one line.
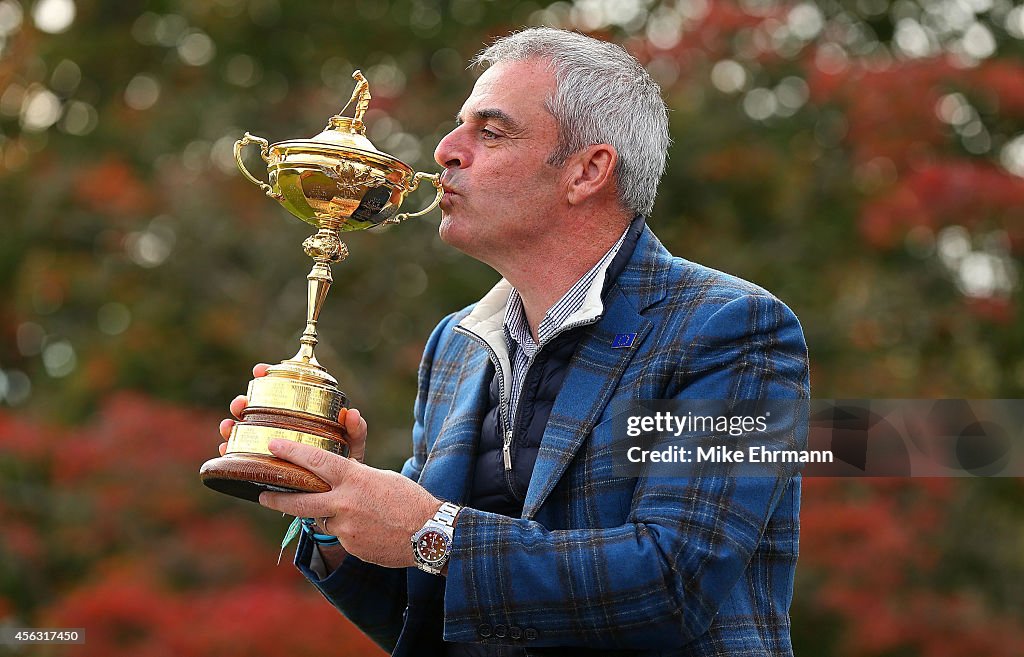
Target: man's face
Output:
{"points": [[500, 193]]}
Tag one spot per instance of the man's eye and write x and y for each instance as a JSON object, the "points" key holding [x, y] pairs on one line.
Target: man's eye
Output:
{"points": [[488, 134]]}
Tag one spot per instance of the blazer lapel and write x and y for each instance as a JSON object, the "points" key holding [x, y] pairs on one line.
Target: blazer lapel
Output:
{"points": [[598, 364], [593, 375]]}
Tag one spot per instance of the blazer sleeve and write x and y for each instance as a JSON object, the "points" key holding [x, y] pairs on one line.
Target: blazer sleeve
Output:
{"points": [[373, 597], [657, 581]]}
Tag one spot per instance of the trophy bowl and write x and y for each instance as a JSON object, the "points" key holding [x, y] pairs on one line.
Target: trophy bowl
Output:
{"points": [[336, 175], [337, 182]]}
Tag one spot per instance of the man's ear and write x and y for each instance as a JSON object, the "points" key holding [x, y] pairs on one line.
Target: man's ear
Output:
{"points": [[592, 173]]}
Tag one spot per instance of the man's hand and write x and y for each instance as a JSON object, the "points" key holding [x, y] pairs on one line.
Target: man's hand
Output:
{"points": [[373, 512], [351, 419]]}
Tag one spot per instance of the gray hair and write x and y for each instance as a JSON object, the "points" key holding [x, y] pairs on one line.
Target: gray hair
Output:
{"points": [[602, 96]]}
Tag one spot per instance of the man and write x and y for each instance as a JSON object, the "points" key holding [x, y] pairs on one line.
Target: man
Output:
{"points": [[510, 495]]}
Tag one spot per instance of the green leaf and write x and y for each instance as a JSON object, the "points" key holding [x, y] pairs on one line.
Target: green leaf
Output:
{"points": [[290, 534]]}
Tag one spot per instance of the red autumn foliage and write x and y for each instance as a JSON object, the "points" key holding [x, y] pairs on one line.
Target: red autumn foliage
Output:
{"points": [[884, 107], [111, 187], [1001, 78], [107, 527], [872, 550], [891, 114], [945, 193], [996, 310]]}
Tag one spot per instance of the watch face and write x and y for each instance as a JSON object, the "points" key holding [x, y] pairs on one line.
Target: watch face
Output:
{"points": [[432, 546]]}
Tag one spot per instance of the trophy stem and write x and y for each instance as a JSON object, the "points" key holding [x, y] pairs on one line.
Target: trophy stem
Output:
{"points": [[324, 247], [320, 280]]}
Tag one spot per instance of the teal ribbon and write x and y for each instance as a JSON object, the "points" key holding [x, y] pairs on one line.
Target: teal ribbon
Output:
{"points": [[307, 525]]}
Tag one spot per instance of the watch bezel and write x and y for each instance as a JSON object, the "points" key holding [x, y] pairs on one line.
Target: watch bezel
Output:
{"points": [[445, 538], [443, 523]]}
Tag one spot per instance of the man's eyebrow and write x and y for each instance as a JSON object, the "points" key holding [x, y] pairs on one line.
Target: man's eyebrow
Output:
{"points": [[493, 113]]}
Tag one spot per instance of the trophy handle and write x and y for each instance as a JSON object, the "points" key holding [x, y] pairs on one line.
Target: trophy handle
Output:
{"points": [[264, 153], [435, 180]]}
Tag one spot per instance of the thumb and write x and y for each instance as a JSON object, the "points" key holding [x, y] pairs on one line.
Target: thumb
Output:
{"points": [[355, 427]]}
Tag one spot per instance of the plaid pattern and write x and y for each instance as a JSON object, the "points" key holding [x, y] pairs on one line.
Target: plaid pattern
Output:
{"points": [[648, 566]]}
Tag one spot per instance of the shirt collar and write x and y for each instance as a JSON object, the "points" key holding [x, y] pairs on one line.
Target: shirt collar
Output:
{"points": [[490, 316]]}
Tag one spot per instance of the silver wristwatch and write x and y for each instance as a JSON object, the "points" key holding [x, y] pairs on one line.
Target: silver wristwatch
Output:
{"points": [[432, 544]]}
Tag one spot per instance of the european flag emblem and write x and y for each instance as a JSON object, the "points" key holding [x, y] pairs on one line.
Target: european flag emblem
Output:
{"points": [[623, 340]]}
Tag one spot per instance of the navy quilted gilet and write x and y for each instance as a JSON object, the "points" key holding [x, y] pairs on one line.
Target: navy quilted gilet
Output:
{"points": [[500, 491]]}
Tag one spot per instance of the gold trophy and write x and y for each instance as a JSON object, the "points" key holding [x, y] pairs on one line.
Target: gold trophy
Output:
{"points": [[338, 182]]}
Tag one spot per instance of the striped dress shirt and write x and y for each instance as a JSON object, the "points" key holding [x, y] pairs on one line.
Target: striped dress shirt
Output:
{"points": [[522, 348]]}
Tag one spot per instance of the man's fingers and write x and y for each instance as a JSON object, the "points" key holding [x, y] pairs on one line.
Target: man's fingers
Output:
{"points": [[300, 505], [330, 467], [355, 427], [238, 405], [223, 448]]}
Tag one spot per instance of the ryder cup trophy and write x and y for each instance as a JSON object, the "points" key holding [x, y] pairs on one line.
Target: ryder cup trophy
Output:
{"points": [[338, 182]]}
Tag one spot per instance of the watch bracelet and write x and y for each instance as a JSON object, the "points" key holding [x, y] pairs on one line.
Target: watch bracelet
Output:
{"points": [[445, 517]]}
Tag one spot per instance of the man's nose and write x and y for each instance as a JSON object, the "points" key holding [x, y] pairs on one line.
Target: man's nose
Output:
{"points": [[449, 152]]}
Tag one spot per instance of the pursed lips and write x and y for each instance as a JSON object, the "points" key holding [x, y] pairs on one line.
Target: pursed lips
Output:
{"points": [[446, 185]]}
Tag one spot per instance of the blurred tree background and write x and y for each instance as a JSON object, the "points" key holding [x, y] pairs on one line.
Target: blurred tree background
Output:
{"points": [[863, 159]]}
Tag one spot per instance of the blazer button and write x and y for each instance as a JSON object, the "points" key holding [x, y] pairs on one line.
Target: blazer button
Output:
{"points": [[499, 631], [484, 630], [515, 632], [530, 634]]}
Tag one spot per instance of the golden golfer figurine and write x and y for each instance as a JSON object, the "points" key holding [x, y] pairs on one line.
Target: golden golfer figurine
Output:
{"points": [[338, 182]]}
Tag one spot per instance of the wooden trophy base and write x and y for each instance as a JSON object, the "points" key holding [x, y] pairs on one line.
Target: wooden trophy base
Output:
{"points": [[290, 403], [248, 475]]}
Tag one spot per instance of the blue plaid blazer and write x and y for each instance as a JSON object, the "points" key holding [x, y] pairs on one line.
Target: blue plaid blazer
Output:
{"points": [[632, 566]]}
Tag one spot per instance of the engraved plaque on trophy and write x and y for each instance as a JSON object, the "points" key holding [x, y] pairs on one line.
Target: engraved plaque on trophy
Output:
{"points": [[338, 182]]}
